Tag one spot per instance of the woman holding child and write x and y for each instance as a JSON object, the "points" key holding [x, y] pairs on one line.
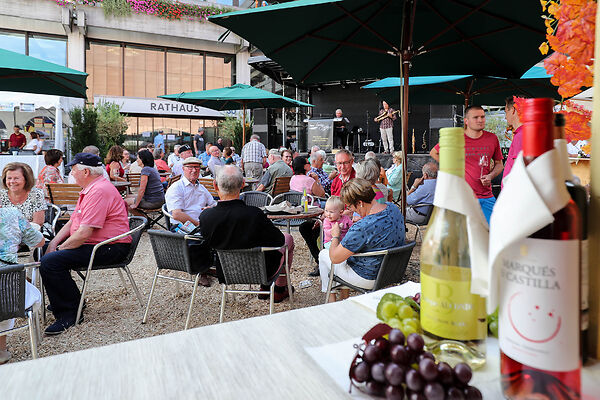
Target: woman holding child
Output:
{"points": [[380, 227]]}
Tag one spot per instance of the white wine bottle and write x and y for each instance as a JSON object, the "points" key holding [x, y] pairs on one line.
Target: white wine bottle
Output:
{"points": [[453, 320]]}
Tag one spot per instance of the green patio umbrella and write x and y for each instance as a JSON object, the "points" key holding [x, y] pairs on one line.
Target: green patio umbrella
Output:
{"points": [[331, 40], [21, 73], [463, 89], [236, 97]]}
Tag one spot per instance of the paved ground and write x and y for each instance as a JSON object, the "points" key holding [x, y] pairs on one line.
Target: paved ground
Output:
{"points": [[114, 315]]}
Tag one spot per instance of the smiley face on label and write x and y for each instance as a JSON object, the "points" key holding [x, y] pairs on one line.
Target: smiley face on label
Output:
{"points": [[530, 321]]}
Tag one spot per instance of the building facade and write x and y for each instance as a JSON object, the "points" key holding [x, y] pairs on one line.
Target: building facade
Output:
{"points": [[137, 55]]}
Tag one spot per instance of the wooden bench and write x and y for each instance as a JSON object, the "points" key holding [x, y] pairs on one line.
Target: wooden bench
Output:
{"points": [[208, 184], [134, 179], [172, 180], [281, 185], [64, 195]]}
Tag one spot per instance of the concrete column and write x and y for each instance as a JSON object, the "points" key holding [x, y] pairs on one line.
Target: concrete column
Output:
{"points": [[76, 50], [242, 69]]}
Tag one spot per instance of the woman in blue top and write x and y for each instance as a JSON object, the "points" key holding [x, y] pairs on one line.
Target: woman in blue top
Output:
{"points": [[381, 227]]}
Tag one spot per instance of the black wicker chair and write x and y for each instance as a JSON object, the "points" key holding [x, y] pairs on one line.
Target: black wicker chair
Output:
{"points": [[391, 271], [12, 302], [136, 226], [247, 267], [171, 252], [256, 199]]}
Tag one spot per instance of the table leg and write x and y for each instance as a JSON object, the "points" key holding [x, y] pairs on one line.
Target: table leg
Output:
{"points": [[289, 228]]}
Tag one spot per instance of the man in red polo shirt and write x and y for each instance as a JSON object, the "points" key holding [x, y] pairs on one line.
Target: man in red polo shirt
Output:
{"points": [[17, 140], [100, 214], [481, 147], [343, 161]]}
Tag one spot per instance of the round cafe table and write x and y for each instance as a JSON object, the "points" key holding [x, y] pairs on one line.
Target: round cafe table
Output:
{"points": [[121, 186], [312, 213]]}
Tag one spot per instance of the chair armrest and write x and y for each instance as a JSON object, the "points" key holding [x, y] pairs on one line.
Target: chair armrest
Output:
{"points": [[371, 253], [263, 249], [419, 205], [107, 241]]}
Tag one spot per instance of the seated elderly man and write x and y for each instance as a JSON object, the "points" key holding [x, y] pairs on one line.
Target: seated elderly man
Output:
{"points": [[234, 225], [317, 159], [185, 152], [422, 192], [215, 161], [100, 214], [14, 230], [185, 200], [277, 168]]}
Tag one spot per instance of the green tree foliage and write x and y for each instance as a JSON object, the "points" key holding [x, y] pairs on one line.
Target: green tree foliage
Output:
{"points": [[231, 128], [111, 125], [84, 133]]}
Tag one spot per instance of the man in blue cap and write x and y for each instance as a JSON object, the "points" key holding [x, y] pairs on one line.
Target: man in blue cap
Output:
{"points": [[100, 214]]}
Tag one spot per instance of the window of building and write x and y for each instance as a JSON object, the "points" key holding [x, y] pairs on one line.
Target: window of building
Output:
{"points": [[218, 72], [185, 72], [144, 72], [13, 42], [47, 48], [104, 64]]}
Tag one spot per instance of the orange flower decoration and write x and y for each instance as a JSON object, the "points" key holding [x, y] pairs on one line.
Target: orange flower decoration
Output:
{"points": [[570, 33], [577, 122]]}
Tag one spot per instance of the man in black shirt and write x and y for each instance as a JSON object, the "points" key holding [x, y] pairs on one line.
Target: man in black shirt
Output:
{"points": [[199, 142], [231, 224]]}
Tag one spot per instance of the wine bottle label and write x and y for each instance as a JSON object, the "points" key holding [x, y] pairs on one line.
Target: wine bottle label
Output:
{"points": [[539, 303], [448, 309]]}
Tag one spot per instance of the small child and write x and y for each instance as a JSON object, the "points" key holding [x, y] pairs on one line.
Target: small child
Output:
{"points": [[334, 207]]}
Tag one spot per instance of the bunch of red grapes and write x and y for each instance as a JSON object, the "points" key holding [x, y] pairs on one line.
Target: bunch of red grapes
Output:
{"points": [[400, 366]]}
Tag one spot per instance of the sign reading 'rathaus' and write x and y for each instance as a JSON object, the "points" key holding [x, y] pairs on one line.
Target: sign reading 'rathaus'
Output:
{"points": [[138, 106]]}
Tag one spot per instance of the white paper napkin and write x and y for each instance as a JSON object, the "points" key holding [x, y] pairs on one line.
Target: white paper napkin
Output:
{"points": [[526, 204], [455, 194]]}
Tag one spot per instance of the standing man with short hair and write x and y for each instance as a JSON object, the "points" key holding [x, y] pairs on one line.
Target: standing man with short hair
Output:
{"points": [[386, 126], [100, 214], [159, 141], [512, 119], [17, 140], [254, 155], [199, 142], [340, 129], [481, 147]]}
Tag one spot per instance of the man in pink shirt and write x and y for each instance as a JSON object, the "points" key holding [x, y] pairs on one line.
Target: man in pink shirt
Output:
{"points": [[481, 147], [100, 214], [512, 119]]}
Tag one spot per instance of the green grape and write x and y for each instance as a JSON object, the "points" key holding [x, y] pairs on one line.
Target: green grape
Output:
{"points": [[395, 323], [493, 327], [405, 311], [407, 329], [388, 310], [413, 323]]}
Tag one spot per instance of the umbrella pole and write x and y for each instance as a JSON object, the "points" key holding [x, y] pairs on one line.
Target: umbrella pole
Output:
{"points": [[243, 124], [404, 74]]}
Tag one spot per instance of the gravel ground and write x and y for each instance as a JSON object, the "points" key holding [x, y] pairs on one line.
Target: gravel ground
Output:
{"points": [[114, 315]]}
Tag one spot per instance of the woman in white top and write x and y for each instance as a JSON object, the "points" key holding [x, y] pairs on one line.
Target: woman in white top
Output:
{"points": [[35, 143]]}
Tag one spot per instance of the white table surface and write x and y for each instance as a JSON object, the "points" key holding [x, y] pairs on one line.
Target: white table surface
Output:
{"points": [[36, 162], [269, 357]]}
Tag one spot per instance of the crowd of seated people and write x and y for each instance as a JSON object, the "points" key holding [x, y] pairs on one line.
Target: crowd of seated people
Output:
{"points": [[357, 217]]}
